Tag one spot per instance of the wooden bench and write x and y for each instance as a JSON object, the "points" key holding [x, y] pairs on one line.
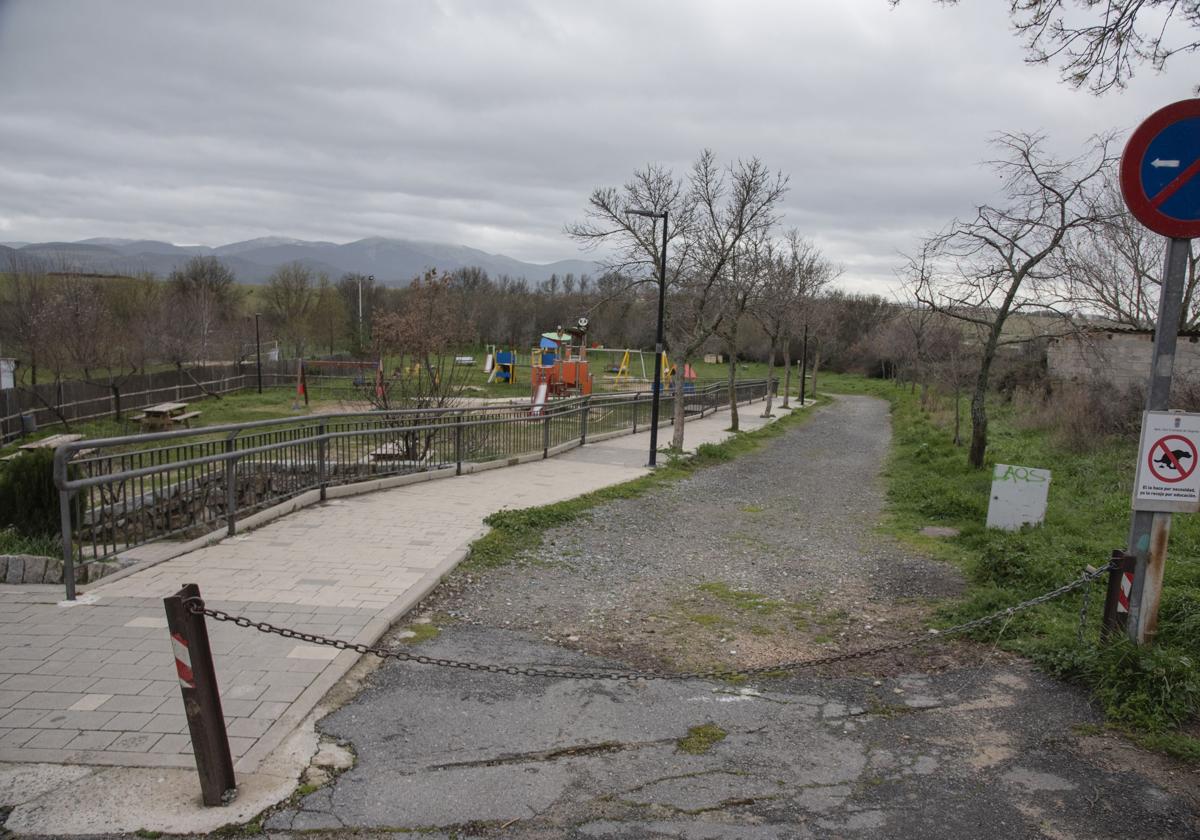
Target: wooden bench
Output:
{"points": [[185, 419]]}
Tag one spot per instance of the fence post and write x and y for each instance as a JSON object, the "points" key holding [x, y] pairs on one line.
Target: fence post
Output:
{"points": [[230, 488], [201, 699], [636, 402], [458, 447], [583, 420], [546, 433], [322, 459], [59, 471], [1116, 601]]}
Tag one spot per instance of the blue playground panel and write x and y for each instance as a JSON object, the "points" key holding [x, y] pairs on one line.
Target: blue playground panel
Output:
{"points": [[504, 365]]}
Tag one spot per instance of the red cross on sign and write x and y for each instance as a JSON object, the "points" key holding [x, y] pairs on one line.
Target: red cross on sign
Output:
{"points": [[1172, 458]]}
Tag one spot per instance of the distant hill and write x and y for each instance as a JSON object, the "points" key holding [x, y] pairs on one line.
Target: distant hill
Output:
{"points": [[392, 261]]}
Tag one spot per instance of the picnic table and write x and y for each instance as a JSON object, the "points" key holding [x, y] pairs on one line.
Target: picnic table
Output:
{"points": [[52, 442], [165, 415]]}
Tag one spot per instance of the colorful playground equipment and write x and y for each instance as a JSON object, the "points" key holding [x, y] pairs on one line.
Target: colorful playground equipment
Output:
{"points": [[559, 364], [500, 365]]}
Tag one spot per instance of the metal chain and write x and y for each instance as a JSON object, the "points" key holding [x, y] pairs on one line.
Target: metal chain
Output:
{"points": [[196, 607]]}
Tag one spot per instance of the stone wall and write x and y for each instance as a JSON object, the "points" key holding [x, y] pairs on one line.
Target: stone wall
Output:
{"points": [[1119, 357], [32, 568], [190, 507]]}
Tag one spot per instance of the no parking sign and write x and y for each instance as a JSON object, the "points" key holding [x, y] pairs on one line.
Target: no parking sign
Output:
{"points": [[1167, 475]]}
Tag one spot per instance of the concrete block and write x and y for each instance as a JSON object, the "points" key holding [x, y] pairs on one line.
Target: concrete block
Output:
{"points": [[15, 572], [35, 569], [54, 570]]}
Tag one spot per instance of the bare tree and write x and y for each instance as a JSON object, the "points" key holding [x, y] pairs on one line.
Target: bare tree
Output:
{"points": [[1100, 42], [288, 299], [796, 271], [205, 299], [422, 337], [740, 290], [1114, 267], [987, 269], [25, 310]]}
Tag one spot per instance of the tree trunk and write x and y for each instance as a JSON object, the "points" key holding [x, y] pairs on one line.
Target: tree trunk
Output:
{"points": [[677, 416], [770, 379], [733, 408], [116, 393], [957, 411], [979, 420]]}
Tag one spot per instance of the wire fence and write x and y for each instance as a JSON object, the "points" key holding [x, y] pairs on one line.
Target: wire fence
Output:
{"points": [[119, 493]]}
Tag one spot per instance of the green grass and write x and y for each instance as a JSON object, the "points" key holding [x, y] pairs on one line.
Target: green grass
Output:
{"points": [[13, 543], [701, 739], [1152, 690], [421, 633], [742, 600], [517, 532]]}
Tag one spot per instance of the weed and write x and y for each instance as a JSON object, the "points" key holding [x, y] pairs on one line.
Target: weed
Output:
{"points": [[700, 739], [420, 633], [740, 599], [146, 834]]}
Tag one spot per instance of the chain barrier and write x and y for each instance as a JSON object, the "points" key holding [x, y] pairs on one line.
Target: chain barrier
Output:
{"points": [[197, 607]]}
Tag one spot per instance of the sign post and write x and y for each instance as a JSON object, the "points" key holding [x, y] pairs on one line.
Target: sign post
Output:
{"points": [[1159, 182]]}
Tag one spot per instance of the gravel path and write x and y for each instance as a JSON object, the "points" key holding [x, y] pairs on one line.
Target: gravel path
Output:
{"points": [[762, 558], [770, 556]]}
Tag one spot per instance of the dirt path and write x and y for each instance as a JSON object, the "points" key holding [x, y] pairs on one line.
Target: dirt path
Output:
{"points": [[769, 557]]}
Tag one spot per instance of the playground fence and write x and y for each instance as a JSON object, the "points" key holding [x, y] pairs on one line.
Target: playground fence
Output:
{"points": [[119, 493]]}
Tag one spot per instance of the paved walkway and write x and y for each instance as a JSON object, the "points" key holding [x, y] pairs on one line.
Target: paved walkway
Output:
{"points": [[94, 682]]}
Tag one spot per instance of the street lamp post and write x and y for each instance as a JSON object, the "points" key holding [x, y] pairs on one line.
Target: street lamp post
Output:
{"points": [[658, 338], [258, 351]]}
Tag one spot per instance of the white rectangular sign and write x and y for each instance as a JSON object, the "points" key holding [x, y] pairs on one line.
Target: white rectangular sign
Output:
{"points": [[1167, 478], [1018, 497]]}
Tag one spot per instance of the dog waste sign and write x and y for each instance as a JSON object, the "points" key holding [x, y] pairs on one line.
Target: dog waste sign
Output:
{"points": [[1167, 478]]}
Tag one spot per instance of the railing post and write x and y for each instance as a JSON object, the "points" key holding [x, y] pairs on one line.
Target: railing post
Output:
{"points": [[458, 444], [201, 698], [64, 513], [230, 489], [583, 420], [546, 434], [636, 402], [322, 458]]}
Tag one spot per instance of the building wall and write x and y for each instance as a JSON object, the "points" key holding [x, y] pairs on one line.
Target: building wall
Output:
{"points": [[1122, 358]]}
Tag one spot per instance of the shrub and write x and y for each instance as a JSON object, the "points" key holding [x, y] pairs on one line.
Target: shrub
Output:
{"points": [[28, 497]]}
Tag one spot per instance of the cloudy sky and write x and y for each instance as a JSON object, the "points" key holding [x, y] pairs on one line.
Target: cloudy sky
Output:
{"points": [[488, 123]]}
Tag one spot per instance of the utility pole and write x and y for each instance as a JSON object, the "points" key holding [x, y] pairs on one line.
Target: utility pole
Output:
{"points": [[258, 351], [803, 364]]}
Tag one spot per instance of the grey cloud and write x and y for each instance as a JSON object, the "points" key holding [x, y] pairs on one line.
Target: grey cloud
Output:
{"points": [[489, 123]]}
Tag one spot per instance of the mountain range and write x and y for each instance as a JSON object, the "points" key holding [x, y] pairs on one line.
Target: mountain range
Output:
{"points": [[393, 261]]}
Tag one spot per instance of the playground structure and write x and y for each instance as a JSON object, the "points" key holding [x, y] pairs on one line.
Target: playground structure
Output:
{"points": [[559, 364], [500, 365]]}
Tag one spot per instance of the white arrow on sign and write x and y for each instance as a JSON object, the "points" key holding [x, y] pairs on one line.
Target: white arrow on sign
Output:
{"points": [[1158, 162]]}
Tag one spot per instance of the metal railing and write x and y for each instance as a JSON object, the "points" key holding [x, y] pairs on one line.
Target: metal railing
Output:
{"points": [[119, 493]]}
